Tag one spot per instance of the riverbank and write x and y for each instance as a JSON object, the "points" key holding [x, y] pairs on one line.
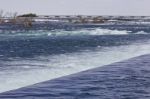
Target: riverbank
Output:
{"points": [[39, 22]]}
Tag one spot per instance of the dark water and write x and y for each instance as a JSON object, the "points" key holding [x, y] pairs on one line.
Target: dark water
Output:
{"points": [[134, 27], [30, 47], [35, 56]]}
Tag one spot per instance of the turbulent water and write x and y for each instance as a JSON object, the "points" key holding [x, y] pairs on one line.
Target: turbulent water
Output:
{"points": [[32, 57]]}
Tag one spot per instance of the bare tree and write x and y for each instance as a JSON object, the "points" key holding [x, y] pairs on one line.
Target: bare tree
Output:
{"points": [[8, 14], [1, 13], [14, 15], [1, 16]]}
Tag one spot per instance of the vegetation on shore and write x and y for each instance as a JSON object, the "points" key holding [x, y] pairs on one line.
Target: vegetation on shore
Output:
{"points": [[28, 15], [14, 18], [28, 19]]}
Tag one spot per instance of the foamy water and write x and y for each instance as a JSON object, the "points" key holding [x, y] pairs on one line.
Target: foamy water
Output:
{"points": [[90, 31], [27, 71], [96, 31]]}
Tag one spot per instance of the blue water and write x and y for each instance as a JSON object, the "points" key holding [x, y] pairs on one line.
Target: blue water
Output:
{"points": [[35, 56]]}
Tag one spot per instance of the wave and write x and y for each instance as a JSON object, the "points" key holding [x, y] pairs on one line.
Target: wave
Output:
{"points": [[141, 32], [28, 71], [96, 31], [56, 33]]}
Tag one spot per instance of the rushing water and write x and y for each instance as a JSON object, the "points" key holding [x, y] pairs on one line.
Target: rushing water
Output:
{"points": [[35, 56]]}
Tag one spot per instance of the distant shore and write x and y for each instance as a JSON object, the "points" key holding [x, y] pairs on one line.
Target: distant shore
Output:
{"points": [[52, 22]]}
